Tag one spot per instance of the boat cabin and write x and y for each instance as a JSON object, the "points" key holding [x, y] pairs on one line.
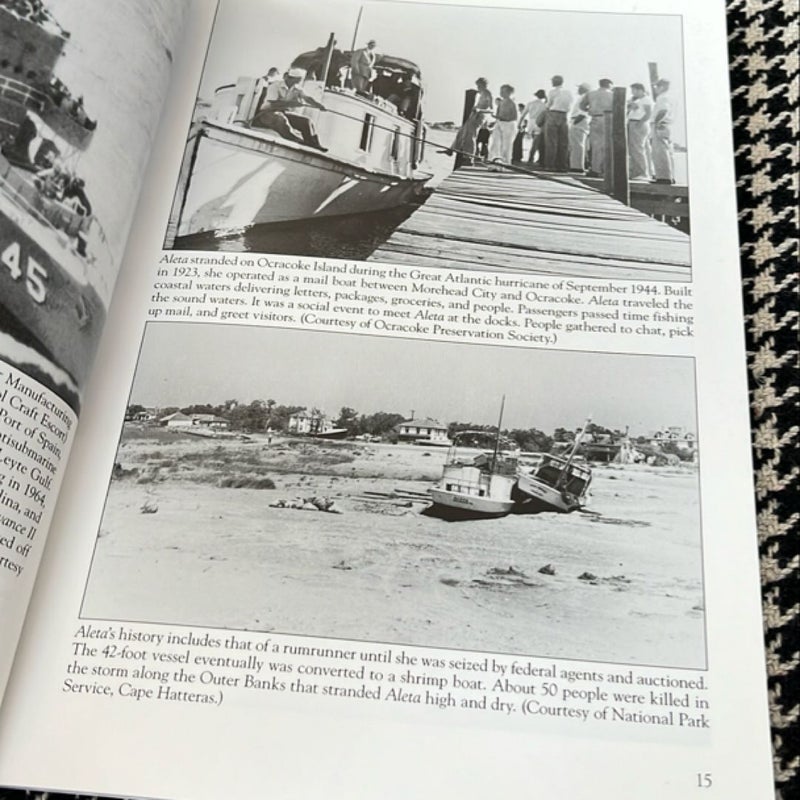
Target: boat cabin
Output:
{"points": [[575, 480], [381, 130]]}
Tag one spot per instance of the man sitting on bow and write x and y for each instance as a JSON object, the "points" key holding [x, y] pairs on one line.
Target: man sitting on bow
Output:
{"points": [[274, 113]]}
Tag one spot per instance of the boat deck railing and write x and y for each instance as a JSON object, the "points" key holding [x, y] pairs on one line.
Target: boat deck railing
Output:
{"points": [[22, 94], [59, 220]]}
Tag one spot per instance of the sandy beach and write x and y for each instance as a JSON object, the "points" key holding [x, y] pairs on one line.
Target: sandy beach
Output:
{"points": [[178, 544]]}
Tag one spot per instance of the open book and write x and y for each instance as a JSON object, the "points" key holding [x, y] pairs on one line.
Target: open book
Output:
{"points": [[373, 419]]}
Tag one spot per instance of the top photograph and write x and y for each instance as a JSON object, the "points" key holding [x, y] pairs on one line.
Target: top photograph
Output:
{"points": [[431, 135]]}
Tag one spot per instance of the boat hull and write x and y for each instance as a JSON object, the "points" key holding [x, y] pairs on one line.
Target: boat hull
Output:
{"points": [[471, 505], [62, 317], [263, 179], [537, 496]]}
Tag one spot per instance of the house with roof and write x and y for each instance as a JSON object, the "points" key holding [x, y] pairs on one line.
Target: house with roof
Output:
{"points": [[310, 423], [210, 421], [423, 430], [176, 420]]}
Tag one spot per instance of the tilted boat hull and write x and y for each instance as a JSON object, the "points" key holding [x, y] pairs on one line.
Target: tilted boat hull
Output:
{"points": [[537, 496], [262, 179]]}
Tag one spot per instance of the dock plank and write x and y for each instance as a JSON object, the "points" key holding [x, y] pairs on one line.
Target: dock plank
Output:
{"points": [[411, 250], [556, 225]]}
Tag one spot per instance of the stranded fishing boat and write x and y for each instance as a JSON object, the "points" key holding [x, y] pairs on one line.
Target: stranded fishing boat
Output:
{"points": [[48, 236], [554, 483], [357, 151], [477, 482]]}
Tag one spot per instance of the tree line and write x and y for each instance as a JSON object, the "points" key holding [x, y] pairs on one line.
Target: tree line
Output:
{"points": [[263, 415]]}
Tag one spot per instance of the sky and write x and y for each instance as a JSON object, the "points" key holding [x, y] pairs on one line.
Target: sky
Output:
{"points": [[192, 363], [453, 45]]}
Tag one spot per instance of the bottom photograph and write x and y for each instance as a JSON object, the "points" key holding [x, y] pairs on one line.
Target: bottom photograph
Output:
{"points": [[473, 497]]}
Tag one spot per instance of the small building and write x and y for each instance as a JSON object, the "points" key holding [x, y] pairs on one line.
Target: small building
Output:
{"points": [[145, 415], [176, 420], [211, 421], [683, 439], [310, 423], [423, 431]]}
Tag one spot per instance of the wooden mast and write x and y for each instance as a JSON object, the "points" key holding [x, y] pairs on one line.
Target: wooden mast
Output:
{"points": [[497, 440]]}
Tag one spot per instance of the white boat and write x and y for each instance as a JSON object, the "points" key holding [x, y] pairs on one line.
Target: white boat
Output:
{"points": [[477, 482], [555, 483], [236, 174]]}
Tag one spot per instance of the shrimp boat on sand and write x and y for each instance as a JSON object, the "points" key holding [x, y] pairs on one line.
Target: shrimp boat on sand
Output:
{"points": [[364, 156], [554, 483], [477, 482]]}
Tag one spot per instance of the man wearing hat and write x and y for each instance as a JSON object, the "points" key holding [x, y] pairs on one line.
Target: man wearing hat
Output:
{"points": [[597, 102], [663, 158], [556, 127], [281, 96], [578, 132], [361, 65], [533, 115], [640, 110]]}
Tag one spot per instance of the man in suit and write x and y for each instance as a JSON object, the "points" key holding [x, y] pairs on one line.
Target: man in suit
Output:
{"points": [[663, 159], [361, 65], [596, 103]]}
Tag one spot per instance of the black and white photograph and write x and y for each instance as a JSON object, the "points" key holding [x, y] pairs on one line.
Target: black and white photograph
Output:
{"points": [[533, 502], [440, 135], [76, 124]]}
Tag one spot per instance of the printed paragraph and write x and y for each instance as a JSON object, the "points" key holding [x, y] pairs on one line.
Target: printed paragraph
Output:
{"points": [[448, 304], [34, 431], [174, 665]]}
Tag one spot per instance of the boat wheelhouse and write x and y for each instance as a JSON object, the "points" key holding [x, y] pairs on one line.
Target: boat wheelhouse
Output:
{"points": [[237, 174], [554, 482]]}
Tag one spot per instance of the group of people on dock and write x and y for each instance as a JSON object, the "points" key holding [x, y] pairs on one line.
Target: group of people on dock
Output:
{"points": [[568, 131]]}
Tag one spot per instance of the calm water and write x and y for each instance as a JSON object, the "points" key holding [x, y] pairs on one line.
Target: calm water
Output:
{"points": [[355, 236]]}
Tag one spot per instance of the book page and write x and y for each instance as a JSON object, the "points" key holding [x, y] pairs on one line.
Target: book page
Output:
{"points": [[81, 90], [416, 458]]}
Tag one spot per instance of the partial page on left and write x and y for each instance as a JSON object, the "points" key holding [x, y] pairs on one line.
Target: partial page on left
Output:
{"points": [[82, 86]]}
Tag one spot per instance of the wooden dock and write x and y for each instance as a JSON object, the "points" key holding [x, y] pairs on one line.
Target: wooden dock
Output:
{"points": [[538, 224]]}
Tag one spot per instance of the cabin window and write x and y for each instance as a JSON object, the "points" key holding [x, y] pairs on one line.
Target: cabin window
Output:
{"points": [[367, 130], [396, 143]]}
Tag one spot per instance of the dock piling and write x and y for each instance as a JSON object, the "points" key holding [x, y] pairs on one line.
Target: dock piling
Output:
{"points": [[616, 171]]}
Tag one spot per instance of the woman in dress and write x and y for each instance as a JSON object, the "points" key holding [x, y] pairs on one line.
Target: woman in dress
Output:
{"points": [[467, 135]]}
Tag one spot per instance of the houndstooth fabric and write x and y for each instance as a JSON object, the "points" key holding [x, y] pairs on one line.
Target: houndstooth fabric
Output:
{"points": [[764, 64], [765, 81]]}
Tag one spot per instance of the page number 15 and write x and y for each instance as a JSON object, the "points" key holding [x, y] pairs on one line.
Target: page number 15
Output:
{"points": [[704, 780]]}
